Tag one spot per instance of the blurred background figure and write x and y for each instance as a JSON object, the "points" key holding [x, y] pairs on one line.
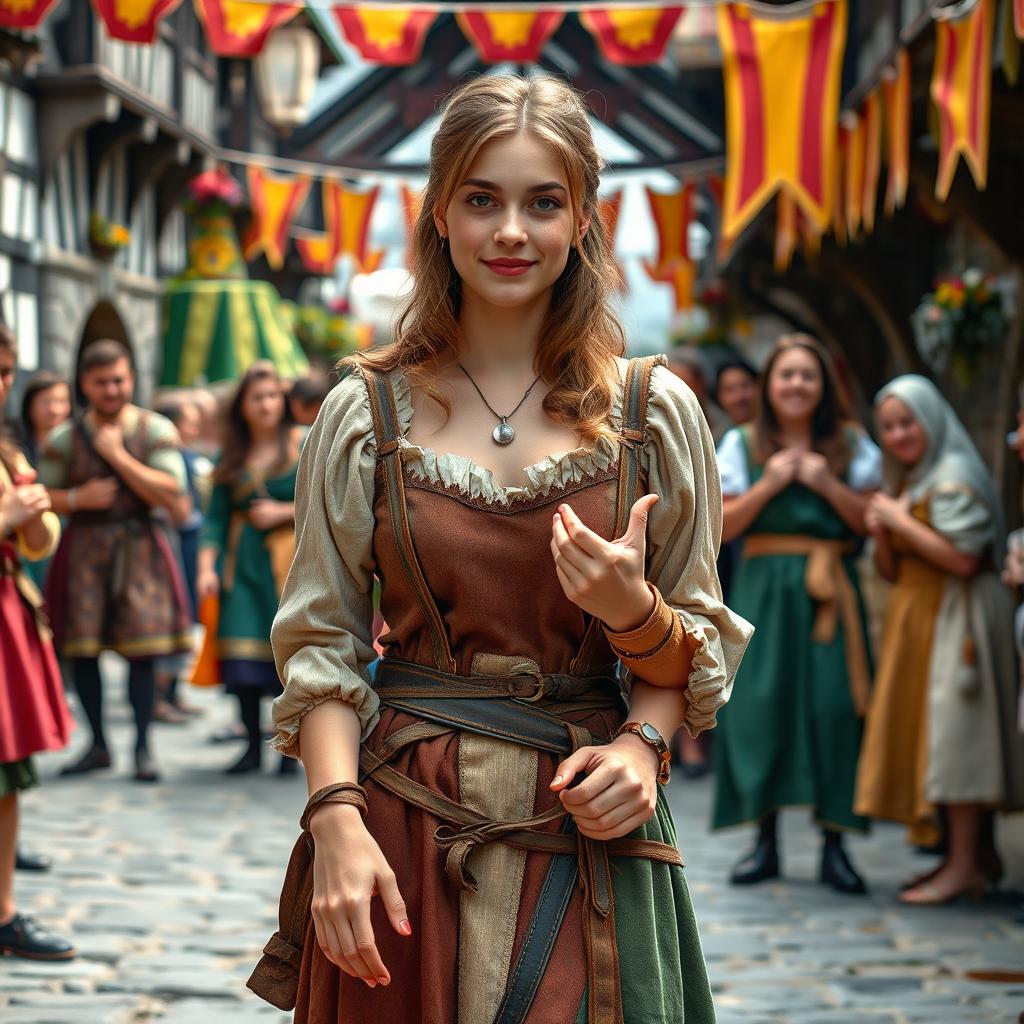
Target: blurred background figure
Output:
{"points": [[305, 398], [248, 542], [941, 732], [736, 391], [795, 485], [33, 716], [689, 366]]}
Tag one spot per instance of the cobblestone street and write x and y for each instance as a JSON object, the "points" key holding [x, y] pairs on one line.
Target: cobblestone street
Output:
{"points": [[169, 892]]}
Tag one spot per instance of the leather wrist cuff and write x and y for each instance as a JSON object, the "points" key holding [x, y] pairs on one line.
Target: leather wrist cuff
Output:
{"points": [[658, 651], [336, 793]]}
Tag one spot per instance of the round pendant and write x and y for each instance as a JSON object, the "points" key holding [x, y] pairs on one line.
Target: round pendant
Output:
{"points": [[503, 434]]}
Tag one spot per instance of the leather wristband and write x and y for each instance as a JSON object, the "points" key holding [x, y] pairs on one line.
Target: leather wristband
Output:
{"points": [[336, 793], [658, 652]]}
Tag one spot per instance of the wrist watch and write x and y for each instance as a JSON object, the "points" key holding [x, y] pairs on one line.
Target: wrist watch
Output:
{"points": [[653, 738]]}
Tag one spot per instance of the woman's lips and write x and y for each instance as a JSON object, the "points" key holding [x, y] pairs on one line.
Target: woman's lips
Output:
{"points": [[509, 268]]}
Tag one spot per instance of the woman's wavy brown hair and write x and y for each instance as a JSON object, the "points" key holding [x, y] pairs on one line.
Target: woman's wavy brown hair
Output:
{"points": [[237, 437], [581, 334], [832, 422]]}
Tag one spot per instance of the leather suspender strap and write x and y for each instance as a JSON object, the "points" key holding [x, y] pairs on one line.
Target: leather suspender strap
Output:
{"points": [[632, 434], [386, 434]]}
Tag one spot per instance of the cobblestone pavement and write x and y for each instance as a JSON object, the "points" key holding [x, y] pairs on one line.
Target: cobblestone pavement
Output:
{"points": [[169, 892]]}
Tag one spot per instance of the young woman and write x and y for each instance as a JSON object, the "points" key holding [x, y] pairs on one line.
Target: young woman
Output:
{"points": [[247, 543], [941, 732], [795, 483], [33, 715], [502, 478]]}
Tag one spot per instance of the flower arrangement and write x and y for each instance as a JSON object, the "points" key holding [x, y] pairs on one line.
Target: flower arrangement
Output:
{"points": [[959, 321], [106, 236]]}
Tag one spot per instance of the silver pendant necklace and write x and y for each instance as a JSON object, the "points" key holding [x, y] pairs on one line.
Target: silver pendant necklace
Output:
{"points": [[503, 433]]}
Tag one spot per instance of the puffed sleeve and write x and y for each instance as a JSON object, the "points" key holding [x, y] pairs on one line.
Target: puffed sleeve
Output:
{"points": [[732, 464], [322, 633], [959, 514], [865, 472], [683, 533], [51, 522]]}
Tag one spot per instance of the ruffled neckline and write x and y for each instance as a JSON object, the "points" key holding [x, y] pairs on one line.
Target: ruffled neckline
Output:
{"points": [[478, 482]]}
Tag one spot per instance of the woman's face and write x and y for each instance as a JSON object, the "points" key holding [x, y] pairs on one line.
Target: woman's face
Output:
{"points": [[900, 432], [6, 374], [510, 223], [263, 406], [737, 394], [49, 408], [795, 386]]}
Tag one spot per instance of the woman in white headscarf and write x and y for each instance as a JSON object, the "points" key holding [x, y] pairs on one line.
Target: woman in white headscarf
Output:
{"points": [[940, 732]]}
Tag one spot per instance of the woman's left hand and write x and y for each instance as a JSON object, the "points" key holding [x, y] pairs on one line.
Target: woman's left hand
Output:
{"points": [[891, 511], [620, 791], [813, 471], [605, 578]]}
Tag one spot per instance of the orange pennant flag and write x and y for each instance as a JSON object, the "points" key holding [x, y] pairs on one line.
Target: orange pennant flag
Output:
{"points": [[672, 213], [634, 35], [962, 93], [871, 122], [896, 91], [133, 21], [275, 202], [356, 208], [372, 261], [24, 13], [319, 250], [782, 80], [682, 275], [786, 214], [239, 28], [412, 203], [853, 188], [346, 231], [609, 208], [385, 35], [517, 36]]}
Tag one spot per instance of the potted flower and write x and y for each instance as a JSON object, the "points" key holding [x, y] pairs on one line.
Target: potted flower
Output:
{"points": [[106, 237]]}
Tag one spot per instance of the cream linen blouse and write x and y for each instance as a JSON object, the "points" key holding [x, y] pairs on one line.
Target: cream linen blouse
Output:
{"points": [[321, 636]]}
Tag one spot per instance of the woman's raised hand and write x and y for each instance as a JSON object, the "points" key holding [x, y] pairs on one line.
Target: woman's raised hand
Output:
{"points": [[20, 504], [348, 871], [604, 578], [781, 468]]}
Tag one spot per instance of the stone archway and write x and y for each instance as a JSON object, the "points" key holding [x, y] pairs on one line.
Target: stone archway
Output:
{"points": [[103, 322]]}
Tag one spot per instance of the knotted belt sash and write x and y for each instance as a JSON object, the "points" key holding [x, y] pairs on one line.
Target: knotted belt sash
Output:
{"points": [[829, 586]]}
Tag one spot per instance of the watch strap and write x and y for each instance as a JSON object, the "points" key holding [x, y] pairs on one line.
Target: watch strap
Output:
{"points": [[653, 738]]}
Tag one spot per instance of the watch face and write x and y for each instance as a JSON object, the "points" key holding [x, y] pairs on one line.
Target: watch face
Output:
{"points": [[650, 733]]}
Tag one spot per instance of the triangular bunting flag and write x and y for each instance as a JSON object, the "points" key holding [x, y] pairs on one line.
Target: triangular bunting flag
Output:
{"points": [[786, 213], [239, 28], [24, 14], [962, 92], [896, 92], [634, 35], [782, 78], [681, 275], [672, 213], [609, 208], [517, 36], [853, 129], [275, 202], [133, 21], [385, 35], [871, 121]]}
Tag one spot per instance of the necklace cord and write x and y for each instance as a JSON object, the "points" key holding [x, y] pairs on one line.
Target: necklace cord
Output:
{"points": [[504, 419]]}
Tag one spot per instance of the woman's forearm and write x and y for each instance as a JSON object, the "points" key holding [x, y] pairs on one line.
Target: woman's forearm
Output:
{"points": [[329, 744], [740, 511], [664, 708], [885, 560], [934, 548]]}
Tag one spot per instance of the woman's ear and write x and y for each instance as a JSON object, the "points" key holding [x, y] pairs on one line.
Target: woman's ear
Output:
{"points": [[584, 225], [442, 228]]}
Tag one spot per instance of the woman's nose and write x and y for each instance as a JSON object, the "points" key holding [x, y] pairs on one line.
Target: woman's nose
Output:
{"points": [[511, 228]]}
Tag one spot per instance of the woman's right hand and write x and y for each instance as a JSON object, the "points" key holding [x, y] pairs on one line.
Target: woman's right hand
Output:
{"points": [[20, 504], [207, 584], [780, 469], [348, 870]]}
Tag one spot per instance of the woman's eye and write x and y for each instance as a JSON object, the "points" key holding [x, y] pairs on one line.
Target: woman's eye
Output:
{"points": [[484, 201], [549, 204]]}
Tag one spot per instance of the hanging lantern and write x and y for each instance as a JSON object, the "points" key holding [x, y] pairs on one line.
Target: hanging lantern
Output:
{"points": [[286, 70]]}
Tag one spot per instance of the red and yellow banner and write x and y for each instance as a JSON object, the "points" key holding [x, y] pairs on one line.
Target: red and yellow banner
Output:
{"points": [[356, 208], [24, 13], [782, 78], [319, 251], [962, 93], [346, 231], [853, 146], [239, 28], [133, 21], [385, 35], [681, 275], [786, 217], [634, 35], [672, 213], [275, 202], [517, 36], [871, 122], [896, 92]]}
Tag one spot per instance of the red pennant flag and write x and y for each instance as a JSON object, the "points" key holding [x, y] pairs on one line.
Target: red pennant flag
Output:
{"points": [[871, 120], [962, 92], [854, 140], [672, 213], [275, 202], [319, 251], [896, 91], [786, 213], [346, 231], [782, 79], [608, 209], [133, 21], [517, 36], [411, 204], [24, 13], [385, 35], [633, 35], [239, 28]]}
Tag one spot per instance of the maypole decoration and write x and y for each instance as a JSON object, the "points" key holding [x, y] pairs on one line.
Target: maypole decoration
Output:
{"points": [[385, 35], [516, 36], [962, 92], [782, 84], [672, 214], [275, 202], [133, 21], [896, 93], [632, 36], [239, 28], [217, 322], [24, 14]]}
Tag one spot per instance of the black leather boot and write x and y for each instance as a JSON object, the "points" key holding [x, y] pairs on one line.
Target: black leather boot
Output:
{"points": [[762, 863], [23, 936], [25, 861], [836, 869], [94, 758]]}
